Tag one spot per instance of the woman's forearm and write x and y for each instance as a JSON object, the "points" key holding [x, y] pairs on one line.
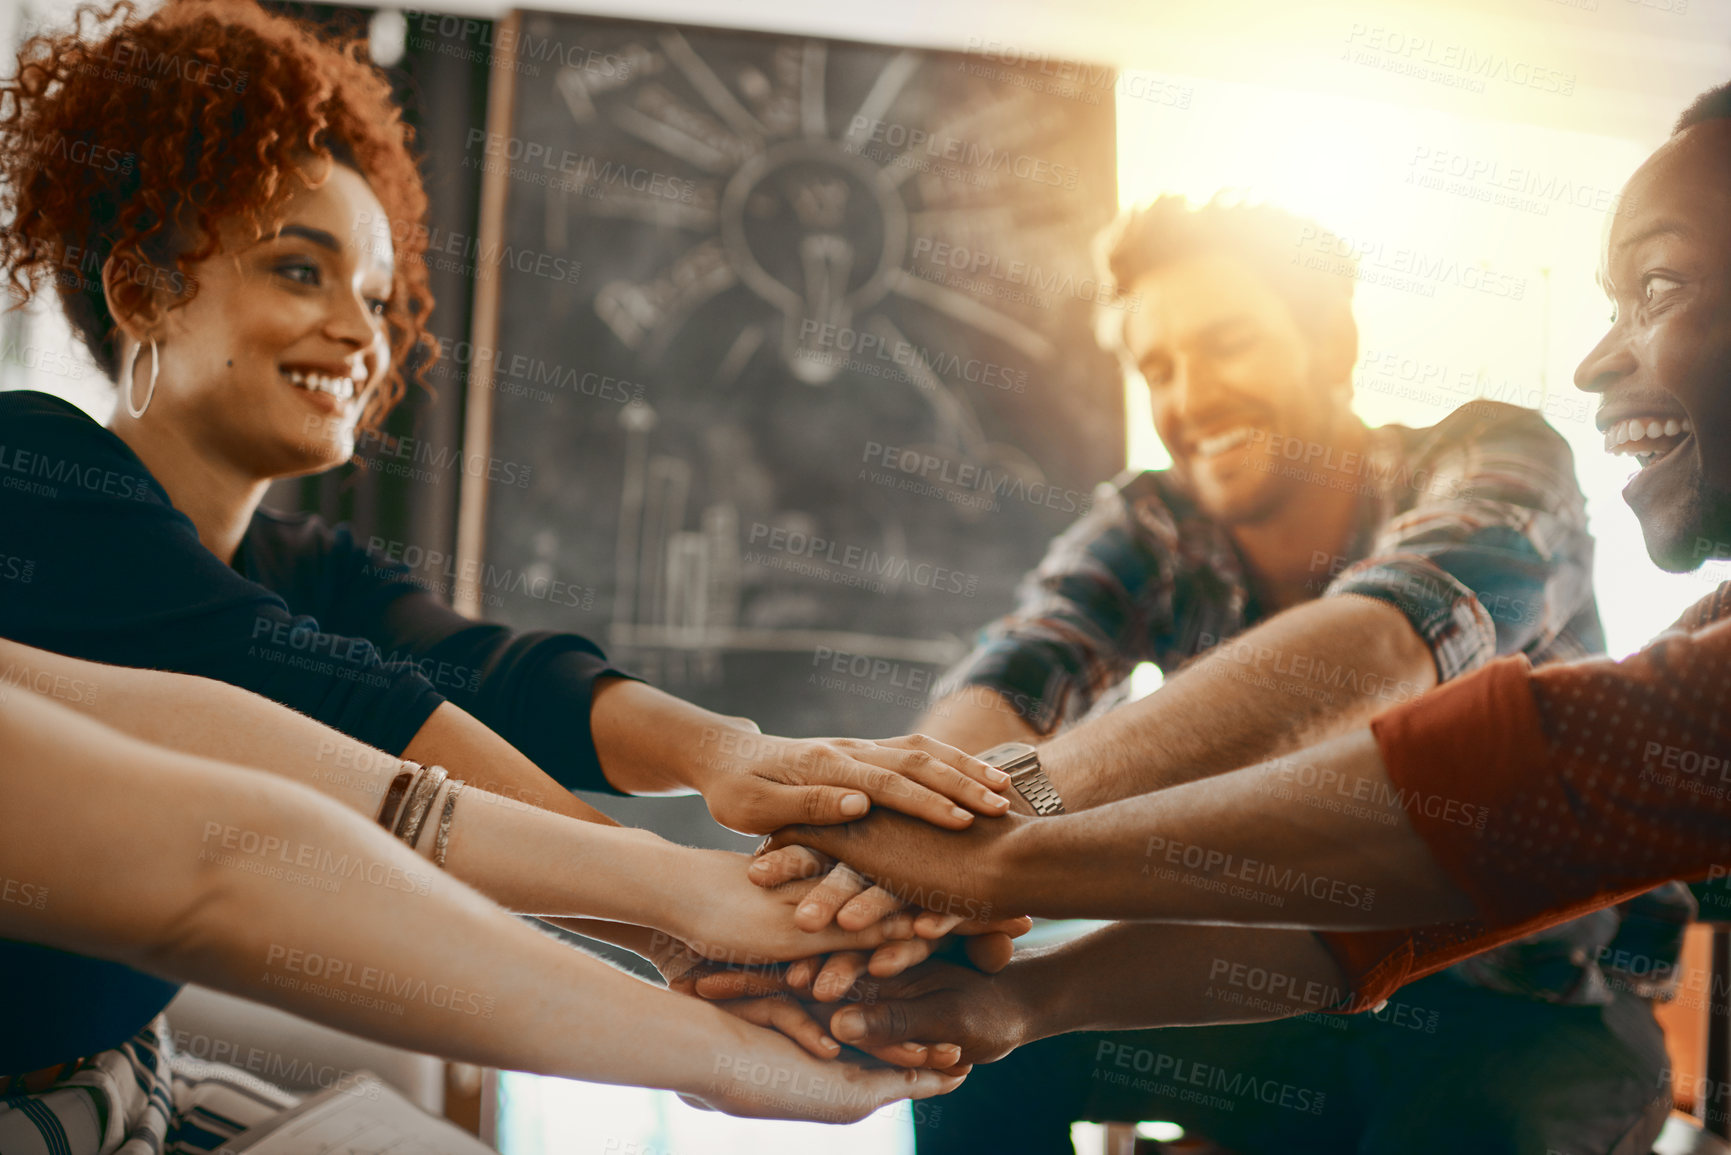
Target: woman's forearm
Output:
{"points": [[493, 836], [118, 838], [520, 855], [355, 930], [650, 742], [469, 750], [215, 720]]}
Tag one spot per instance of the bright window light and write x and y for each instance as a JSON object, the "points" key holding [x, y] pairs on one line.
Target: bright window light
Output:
{"points": [[545, 1116], [1525, 203], [1088, 1138], [1160, 1131]]}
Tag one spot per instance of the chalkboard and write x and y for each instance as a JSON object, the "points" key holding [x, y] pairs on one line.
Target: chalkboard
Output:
{"points": [[796, 369]]}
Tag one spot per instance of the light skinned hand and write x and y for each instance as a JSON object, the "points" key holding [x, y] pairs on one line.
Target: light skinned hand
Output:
{"points": [[848, 899], [845, 898], [727, 917], [756, 783], [915, 861], [799, 1086]]}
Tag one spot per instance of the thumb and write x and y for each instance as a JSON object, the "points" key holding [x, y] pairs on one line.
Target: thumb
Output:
{"points": [[788, 864], [882, 1023], [990, 952]]}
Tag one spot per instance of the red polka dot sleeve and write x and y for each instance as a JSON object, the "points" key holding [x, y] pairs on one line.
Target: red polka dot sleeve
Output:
{"points": [[1585, 782]]}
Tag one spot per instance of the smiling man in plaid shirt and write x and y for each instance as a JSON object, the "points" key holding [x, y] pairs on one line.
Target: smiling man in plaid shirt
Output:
{"points": [[1306, 572]]}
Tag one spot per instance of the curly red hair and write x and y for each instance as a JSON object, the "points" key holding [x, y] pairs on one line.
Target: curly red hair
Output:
{"points": [[136, 138]]}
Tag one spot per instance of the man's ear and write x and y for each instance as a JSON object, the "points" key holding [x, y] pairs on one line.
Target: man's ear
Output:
{"points": [[1336, 351]]}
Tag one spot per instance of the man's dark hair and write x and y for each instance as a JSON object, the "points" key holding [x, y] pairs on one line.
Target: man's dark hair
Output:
{"points": [[1309, 267], [1714, 104]]}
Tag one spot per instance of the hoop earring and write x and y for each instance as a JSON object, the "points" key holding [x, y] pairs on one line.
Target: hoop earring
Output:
{"points": [[126, 379]]}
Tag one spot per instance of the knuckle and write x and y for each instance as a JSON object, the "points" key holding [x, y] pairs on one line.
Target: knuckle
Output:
{"points": [[799, 862], [814, 805], [915, 761], [847, 876], [753, 794], [882, 782]]}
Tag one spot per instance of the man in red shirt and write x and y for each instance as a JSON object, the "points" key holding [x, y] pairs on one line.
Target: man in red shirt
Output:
{"points": [[1503, 802]]}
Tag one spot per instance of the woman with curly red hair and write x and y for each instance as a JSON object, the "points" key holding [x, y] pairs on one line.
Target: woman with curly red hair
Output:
{"points": [[235, 239], [214, 194], [250, 270]]}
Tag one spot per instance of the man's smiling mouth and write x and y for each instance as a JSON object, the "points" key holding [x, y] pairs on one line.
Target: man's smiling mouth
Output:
{"points": [[1648, 440], [1223, 442]]}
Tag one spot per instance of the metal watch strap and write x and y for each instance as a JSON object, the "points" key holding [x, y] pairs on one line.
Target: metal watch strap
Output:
{"points": [[1022, 763], [1033, 785]]}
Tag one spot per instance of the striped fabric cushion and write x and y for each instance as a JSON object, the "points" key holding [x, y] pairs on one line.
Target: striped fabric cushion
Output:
{"points": [[140, 1099]]}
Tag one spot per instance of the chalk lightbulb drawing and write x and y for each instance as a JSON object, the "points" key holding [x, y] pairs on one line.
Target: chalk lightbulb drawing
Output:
{"points": [[815, 226]]}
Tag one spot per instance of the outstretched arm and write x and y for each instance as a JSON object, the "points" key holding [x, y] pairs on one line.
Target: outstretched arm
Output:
{"points": [[114, 832], [1498, 805], [1489, 555], [650, 742], [1309, 673], [590, 726], [1492, 557], [1121, 977], [1317, 839], [529, 859]]}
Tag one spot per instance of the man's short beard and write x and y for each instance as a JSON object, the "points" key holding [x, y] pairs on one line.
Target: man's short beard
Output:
{"points": [[1268, 505]]}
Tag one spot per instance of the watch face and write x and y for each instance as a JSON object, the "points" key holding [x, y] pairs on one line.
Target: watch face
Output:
{"points": [[1005, 753]]}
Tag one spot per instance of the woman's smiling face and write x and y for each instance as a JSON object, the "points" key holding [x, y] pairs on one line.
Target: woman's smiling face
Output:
{"points": [[271, 364], [1663, 372]]}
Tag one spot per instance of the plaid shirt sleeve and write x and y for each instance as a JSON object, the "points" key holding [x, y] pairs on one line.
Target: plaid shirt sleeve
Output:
{"points": [[1488, 552], [1082, 618]]}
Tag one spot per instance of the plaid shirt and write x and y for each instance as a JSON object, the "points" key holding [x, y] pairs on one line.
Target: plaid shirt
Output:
{"points": [[1475, 529]]}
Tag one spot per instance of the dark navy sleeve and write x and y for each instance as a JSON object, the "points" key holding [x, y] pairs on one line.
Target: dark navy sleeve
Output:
{"points": [[96, 563], [533, 688]]}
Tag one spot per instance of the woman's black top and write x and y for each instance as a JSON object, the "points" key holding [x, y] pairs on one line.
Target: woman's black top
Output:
{"points": [[96, 563]]}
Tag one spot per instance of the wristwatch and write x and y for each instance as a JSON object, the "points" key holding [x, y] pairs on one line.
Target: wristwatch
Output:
{"points": [[1022, 763]]}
